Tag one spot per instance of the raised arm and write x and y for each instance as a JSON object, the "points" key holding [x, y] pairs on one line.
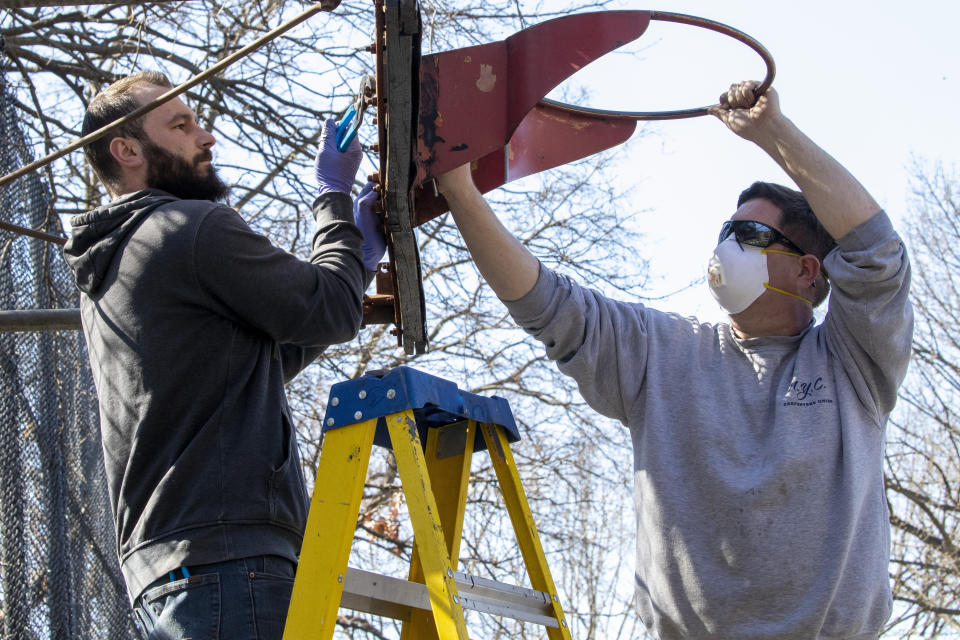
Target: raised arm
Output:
{"points": [[509, 268], [839, 201]]}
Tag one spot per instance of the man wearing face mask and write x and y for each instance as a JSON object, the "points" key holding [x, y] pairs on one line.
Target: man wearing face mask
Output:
{"points": [[758, 444], [193, 324]]}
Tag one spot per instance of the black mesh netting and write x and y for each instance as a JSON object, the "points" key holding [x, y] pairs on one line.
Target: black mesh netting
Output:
{"points": [[59, 576]]}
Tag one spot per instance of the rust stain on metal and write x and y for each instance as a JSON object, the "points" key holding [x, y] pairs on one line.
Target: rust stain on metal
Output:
{"points": [[430, 119], [579, 125], [487, 80]]}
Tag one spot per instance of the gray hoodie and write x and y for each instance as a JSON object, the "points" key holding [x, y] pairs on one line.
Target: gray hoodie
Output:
{"points": [[758, 463], [193, 324]]}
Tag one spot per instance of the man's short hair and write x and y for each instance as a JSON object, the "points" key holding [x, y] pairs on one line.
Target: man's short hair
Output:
{"points": [[111, 104], [797, 222]]}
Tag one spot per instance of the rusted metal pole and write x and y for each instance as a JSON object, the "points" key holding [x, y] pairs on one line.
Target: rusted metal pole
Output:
{"points": [[40, 320], [16, 4], [33, 233], [324, 5]]}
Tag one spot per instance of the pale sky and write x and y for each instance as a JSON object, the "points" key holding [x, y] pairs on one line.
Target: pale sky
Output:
{"points": [[870, 82]]}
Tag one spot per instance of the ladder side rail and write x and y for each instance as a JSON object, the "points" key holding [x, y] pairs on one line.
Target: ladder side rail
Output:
{"points": [[425, 518], [328, 537], [450, 476], [523, 525]]}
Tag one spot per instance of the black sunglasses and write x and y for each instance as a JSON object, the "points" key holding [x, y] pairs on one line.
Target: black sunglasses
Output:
{"points": [[756, 234]]}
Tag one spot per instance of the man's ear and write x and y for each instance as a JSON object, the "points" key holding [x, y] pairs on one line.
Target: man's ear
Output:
{"points": [[128, 152], [809, 269]]}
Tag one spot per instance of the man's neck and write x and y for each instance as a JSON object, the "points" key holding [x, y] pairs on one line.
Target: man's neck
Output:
{"points": [[128, 184], [757, 322]]}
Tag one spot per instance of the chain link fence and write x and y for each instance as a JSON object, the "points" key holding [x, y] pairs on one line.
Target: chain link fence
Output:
{"points": [[59, 573]]}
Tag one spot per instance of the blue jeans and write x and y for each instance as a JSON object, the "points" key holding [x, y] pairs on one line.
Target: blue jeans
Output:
{"points": [[243, 599]]}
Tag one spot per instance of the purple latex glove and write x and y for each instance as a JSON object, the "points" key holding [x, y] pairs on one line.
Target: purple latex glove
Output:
{"points": [[369, 223], [335, 170]]}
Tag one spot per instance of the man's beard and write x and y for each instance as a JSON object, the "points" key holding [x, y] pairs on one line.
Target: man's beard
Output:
{"points": [[181, 178]]}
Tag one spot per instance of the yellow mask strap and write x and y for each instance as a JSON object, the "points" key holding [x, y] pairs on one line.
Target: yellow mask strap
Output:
{"points": [[786, 253], [766, 285], [786, 293]]}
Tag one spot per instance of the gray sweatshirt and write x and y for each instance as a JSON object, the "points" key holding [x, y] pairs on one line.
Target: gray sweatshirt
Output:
{"points": [[758, 463], [193, 323]]}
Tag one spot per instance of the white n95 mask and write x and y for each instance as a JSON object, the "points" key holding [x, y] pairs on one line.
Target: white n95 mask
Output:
{"points": [[737, 274]]}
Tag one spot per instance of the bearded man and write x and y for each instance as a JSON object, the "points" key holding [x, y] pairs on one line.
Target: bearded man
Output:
{"points": [[193, 324]]}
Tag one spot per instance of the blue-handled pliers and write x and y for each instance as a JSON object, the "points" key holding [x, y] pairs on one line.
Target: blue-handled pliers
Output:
{"points": [[347, 129]]}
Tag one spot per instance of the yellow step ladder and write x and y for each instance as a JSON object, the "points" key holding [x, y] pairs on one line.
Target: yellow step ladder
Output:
{"points": [[433, 428]]}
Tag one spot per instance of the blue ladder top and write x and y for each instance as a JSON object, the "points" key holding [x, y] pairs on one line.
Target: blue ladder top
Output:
{"points": [[435, 403]]}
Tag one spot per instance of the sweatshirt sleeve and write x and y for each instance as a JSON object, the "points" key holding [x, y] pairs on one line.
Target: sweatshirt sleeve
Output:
{"points": [[869, 323], [303, 303], [600, 343]]}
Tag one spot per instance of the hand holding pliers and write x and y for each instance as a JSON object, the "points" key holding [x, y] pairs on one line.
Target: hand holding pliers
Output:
{"points": [[348, 127]]}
